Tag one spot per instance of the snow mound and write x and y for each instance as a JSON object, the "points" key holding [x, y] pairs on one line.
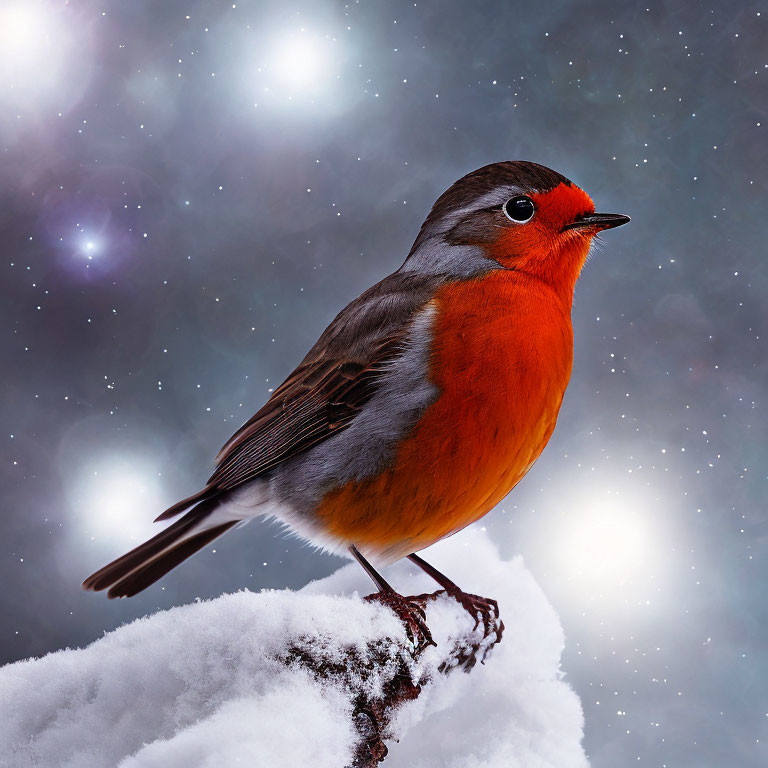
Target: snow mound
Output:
{"points": [[220, 683]]}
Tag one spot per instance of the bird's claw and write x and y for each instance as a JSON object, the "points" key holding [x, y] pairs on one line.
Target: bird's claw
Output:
{"points": [[411, 611], [483, 609]]}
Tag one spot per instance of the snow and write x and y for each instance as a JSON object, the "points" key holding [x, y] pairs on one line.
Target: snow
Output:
{"points": [[209, 684]]}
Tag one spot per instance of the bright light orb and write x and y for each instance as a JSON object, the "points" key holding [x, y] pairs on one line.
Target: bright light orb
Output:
{"points": [[604, 541], [89, 248], [23, 35], [45, 61], [300, 61], [121, 497]]}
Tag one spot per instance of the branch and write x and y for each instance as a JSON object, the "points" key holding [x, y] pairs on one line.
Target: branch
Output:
{"points": [[399, 675], [316, 678]]}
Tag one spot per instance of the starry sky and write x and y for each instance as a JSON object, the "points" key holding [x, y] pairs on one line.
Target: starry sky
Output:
{"points": [[190, 191]]}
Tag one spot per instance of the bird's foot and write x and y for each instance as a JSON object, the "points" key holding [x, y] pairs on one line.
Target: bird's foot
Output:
{"points": [[481, 609], [411, 611]]}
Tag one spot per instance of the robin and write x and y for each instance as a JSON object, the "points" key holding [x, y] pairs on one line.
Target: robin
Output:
{"points": [[423, 403]]}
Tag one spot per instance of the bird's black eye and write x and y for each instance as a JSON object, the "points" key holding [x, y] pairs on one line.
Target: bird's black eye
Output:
{"points": [[519, 209]]}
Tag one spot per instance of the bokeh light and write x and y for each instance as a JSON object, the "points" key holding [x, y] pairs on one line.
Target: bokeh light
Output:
{"points": [[120, 496], [604, 540], [301, 61], [300, 68], [45, 60], [89, 247], [24, 35]]}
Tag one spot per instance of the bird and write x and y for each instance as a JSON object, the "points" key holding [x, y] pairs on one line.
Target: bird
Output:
{"points": [[422, 404]]}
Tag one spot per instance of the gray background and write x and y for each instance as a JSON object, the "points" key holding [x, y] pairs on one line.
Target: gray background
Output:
{"points": [[212, 269]]}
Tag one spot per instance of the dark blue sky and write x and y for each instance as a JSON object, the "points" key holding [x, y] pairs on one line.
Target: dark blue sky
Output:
{"points": [[190, 191]]}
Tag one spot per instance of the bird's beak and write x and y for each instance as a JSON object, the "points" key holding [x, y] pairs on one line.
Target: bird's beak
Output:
{"points": [[598, 221]]}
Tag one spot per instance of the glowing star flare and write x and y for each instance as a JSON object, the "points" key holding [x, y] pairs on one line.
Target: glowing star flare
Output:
{"points": [[115, 493], [604, 541], [45, 59], [23, 35], [301, 61]]}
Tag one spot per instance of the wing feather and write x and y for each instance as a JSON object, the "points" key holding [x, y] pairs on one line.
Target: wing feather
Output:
{"points": [[331, 385]]}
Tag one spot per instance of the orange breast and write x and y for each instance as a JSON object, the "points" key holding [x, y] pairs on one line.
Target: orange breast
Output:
{"points": [[501, 360]]}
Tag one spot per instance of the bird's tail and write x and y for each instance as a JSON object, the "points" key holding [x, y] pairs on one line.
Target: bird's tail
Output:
{"points": [[151, 560]]}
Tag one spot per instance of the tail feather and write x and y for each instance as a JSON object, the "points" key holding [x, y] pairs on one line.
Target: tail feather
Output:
{"points": [[154, 569], [206, 493], [155, 557]]}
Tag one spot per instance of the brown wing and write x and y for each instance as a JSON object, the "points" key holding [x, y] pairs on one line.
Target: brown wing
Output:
{"points": [[330, 386]]}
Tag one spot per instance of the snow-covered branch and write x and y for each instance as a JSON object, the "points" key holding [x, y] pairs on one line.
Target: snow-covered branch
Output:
{"points": [[314, 678]]}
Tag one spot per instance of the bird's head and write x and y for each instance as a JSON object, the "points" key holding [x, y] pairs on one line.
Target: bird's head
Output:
{"points": [[515, 215]]}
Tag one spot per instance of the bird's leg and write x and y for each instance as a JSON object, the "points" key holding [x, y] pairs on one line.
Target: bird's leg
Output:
{"points": [[482, 609], [410, 610]]}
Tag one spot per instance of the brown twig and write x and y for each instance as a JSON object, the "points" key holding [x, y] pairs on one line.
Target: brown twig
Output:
{"points": [[384, 675]]}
